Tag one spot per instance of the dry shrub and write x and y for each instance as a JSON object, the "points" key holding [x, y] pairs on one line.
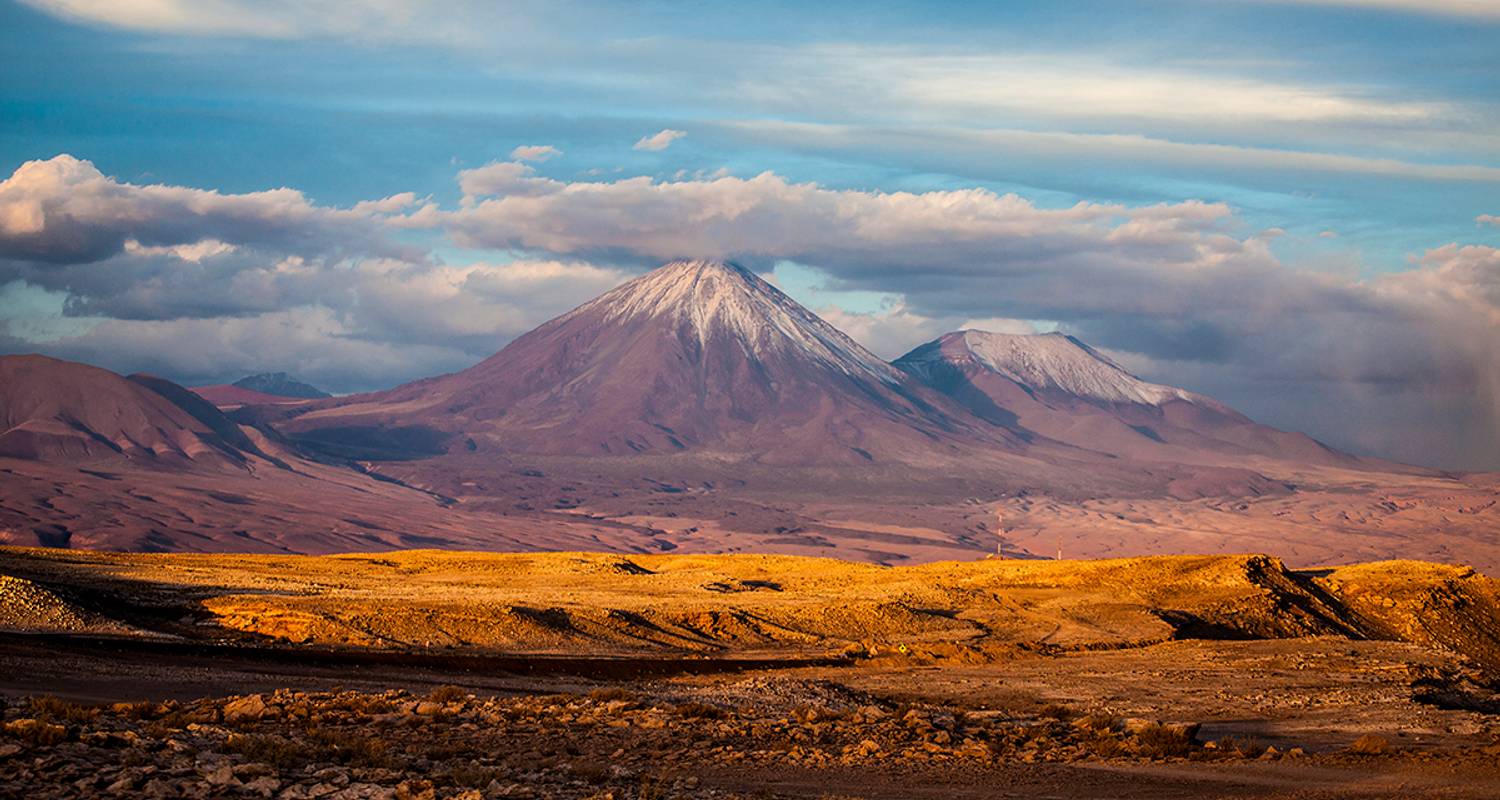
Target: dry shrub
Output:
{"points": [[473, 775], [346, 748], [448, 693], [607, 694], [142, 710], [1162, 741], [1056, 711], [1108, 746], [657, 785], [1100, 722], [168, 725], [277, 751], [1241, 747], [36, 732], [696, 710], [53, 708], [1370, 745]]}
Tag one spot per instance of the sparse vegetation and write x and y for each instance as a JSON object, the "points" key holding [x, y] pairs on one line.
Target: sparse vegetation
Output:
{"points": [[448, 694], [1240, 747], [1163, 741], [1056, 711], [1370, 744], [52, 708], [36, 732]]}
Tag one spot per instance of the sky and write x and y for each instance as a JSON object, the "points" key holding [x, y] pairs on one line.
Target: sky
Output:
{"points": [[1291, 206]]}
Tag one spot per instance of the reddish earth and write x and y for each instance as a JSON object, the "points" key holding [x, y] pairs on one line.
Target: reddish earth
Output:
{"points": [[227, 395]]}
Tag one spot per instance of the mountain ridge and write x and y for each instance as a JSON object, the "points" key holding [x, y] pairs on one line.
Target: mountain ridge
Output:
{"points": [[1059, 387], [700, 409], [700, 355]]}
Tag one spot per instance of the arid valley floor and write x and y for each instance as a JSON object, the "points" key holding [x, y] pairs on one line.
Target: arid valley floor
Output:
{"points": [[442, 674]]}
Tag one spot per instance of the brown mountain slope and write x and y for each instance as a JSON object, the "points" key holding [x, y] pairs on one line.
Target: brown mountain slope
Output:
{"points": [[89, 459], [59, 411], [227, 395], [1057, 386], [695, 356]]}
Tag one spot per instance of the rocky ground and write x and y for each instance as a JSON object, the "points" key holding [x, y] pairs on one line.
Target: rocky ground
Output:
{"points": [[591, 676], [655, 742]]}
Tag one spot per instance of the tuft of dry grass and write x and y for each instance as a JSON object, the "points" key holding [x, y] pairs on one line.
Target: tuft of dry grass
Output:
{"points": [[1163, 741], [36, 732], [1370, 744], [448, 694], [57, 709], [1241, 747], [1056, 711], [696, 710]]}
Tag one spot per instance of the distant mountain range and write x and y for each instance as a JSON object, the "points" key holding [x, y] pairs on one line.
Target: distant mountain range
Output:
{"points": [[707, 357], [698, 407], [266, 387]]}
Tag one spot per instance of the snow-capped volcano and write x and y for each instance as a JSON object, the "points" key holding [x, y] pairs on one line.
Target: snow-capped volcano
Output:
{"points": [[1057, 386], [1049, 362], [695, 355], [710, 300]]}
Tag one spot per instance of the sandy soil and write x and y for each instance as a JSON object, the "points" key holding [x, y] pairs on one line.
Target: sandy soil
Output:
{"points": [[420, 674]]}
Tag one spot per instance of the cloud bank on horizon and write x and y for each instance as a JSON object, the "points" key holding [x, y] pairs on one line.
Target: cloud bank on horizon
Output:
{"points": [[1305, 230]]}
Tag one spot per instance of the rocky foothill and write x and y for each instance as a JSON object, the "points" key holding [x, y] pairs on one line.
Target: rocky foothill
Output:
{"points": [[607, 743]]}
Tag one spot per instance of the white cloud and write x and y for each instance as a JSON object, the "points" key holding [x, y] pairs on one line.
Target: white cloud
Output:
{"points": [[63, 210], [924, 84], [1472, 9], [132, 268], [1487, 219], [660, 140], [401, 20], [1171, 281], [162, 277], [394, 204], [767, 216], [534, 152], [963, 148], [499, 177], [195, 252]]}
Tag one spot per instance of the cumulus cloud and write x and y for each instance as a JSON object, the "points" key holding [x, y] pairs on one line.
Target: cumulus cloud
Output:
{"points": [[660, 140], [500, 177], [163, 277], [534, 152], [1173, 282], [1487, 219], [160, 277], [352, 326], [65, 211], [768, 216]]}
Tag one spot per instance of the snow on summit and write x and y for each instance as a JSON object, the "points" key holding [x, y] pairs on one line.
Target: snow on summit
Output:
{"points": [[1051, 361], [713, 299]]}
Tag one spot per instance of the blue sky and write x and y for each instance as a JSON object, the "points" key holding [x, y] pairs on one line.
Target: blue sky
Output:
{"points": [[1339, 145]]}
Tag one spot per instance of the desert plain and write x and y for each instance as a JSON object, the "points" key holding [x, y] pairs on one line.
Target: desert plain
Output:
{"points": [[453, 674]]}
